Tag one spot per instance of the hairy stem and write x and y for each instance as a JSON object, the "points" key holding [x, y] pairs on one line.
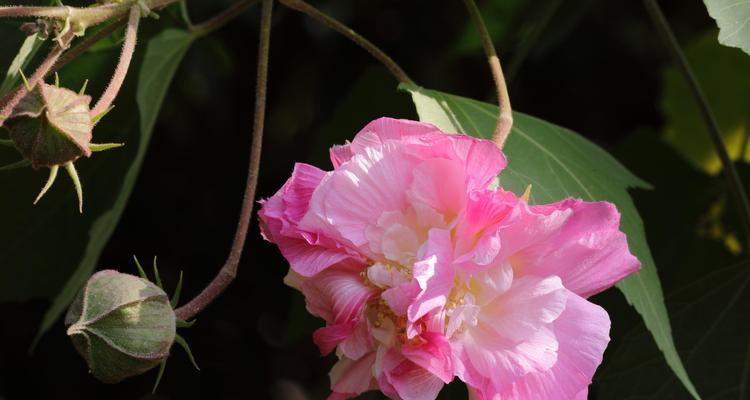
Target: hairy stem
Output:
{"points": [[128, 48], [228, 272], [82, 17], [38, 75], [223, 18], [329, 21], [505, 115], [680, 61]]}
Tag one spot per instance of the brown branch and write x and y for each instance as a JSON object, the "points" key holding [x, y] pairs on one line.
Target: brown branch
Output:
{"points": [[332, 23], [505, 115], [223, 18], [228, 272]]}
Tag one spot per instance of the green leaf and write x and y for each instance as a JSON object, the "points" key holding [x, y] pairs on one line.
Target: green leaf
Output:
{"points": [[163, 55], [733, 18], [27, 51], [558, 163]]}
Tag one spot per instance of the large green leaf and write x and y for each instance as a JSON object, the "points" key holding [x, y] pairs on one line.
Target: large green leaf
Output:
{"points": [[733, 18], [558, 163], [163, 55]]}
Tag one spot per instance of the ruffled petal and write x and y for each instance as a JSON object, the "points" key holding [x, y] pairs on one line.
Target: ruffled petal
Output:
{"points": [[351, 199], [409, 380], [513, 335], [280, 215], [583, 334], [338, 294], [349, 378], [585, 248]]}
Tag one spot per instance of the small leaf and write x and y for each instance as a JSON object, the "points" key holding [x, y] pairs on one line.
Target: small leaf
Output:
{"points": [[559, 164], [733, 18], [27, 51], [181, 341]]}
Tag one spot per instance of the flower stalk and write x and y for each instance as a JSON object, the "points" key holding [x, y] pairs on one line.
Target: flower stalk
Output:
{"points": [[126, 56], [505, 115], [229, 271]]}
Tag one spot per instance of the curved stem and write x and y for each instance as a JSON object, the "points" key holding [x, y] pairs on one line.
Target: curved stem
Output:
{"points": [[38, 75], [128, 48], [223, 18], [505, 115], [228, 272], [329, 21], [680, 61]]}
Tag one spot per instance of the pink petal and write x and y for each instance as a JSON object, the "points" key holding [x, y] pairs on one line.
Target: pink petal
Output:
{"points": [[409, 380], [350, 378], [434, 275], [586, 248], [583, 334], [514, 335], [337, 294], [440, 184], [328, 337], [354, 196], [279, 216], [432, 352]]}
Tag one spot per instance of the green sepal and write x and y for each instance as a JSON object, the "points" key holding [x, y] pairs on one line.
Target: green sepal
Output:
{"points": [[176, 296], [185, 324], [181, 341], [138, 265], [157, 278], [159, 375]]}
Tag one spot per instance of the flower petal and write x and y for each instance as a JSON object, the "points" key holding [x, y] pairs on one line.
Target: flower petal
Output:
{"points": [[586, 249], [583, 334], [350, 378], [337, 294]]}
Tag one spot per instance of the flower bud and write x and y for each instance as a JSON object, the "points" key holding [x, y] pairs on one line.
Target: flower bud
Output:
{"points": [[51, 125], [121, 324]]}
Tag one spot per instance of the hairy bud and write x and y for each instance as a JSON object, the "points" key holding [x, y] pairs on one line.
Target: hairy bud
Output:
{"points": [[51, 126], [121, 324]]}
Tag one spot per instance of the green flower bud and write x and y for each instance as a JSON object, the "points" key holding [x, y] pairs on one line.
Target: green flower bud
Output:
{"points": [[121, 324], [51, 126]]}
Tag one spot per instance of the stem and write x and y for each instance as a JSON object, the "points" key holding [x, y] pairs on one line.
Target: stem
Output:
{"points": [[505, 115], [329, 21], [128, 47], [38, 75], [223, 18], [85, 44], [73, 53], [228, 272], [83, 17], [678, 57]]}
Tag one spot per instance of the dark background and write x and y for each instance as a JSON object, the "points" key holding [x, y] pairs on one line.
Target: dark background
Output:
{"points": [[596, 67]]}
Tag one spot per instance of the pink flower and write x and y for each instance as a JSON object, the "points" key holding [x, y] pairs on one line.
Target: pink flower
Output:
{"points": [[423, 273]]}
